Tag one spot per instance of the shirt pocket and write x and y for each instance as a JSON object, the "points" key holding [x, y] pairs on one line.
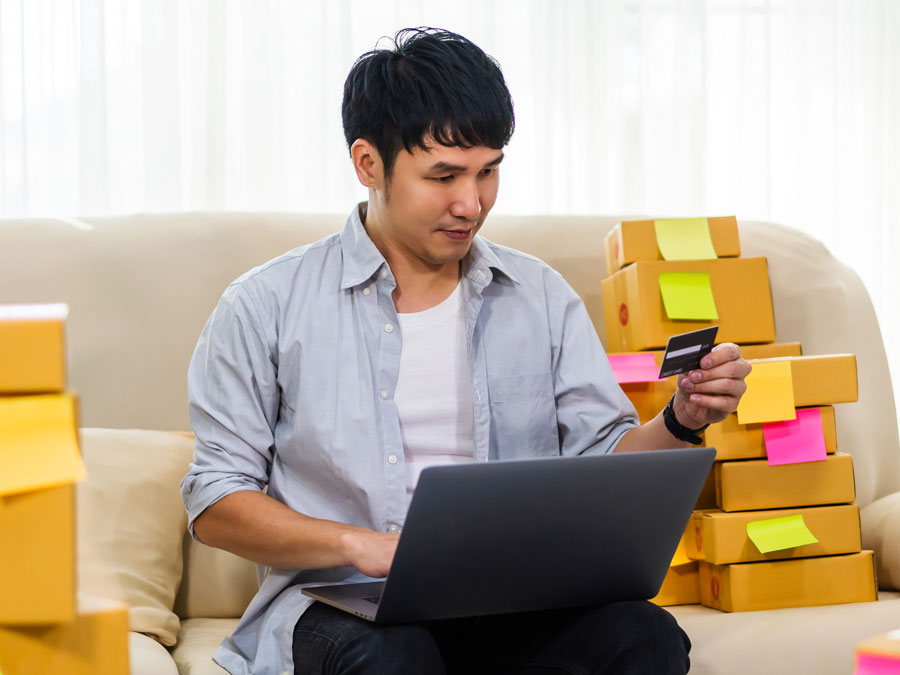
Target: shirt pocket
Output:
{"points": [[523, 416], [513, 388]]}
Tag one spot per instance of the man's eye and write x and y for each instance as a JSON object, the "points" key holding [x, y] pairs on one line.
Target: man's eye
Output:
{"points": [[443, 179], [488, 172]]}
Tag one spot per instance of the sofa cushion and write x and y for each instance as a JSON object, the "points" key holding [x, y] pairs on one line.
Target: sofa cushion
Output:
{"points": [[131, 521], [881, 533], [197, 641], [818, 640], [147, 657], [215, 584]]}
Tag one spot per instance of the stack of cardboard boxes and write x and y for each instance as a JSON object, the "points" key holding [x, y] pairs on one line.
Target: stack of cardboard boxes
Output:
{"points": [[45, 626], [772, 494]]}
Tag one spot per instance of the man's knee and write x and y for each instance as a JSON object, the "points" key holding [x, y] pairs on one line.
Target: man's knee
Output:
{"points": [[340, 643], [647, 639]]}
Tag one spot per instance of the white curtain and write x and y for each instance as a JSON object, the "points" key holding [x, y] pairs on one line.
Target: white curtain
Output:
{"points": [[787, 110]]}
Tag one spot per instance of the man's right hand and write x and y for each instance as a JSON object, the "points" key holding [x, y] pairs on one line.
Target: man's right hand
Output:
{"points": [[370, 552]]}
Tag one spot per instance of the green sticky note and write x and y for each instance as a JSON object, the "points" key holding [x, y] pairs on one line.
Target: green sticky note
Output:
{"points": [[688, 296], [776, 534], [684, 239]]}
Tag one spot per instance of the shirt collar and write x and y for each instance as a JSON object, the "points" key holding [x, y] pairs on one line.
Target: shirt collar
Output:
{"points": [[362, 259]]}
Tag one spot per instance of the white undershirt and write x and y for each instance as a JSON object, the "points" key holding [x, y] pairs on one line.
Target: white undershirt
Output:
{"points": [[434, 389]]}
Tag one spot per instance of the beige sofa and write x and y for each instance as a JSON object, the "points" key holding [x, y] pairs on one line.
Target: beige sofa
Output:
{"points": [[140, 289]]}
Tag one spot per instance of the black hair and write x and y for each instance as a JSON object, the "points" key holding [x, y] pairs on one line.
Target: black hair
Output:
{"points": [[430, 83]]}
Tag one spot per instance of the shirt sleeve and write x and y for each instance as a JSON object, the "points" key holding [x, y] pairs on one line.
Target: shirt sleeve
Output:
{"points": [[233, 402], [592, 411]]}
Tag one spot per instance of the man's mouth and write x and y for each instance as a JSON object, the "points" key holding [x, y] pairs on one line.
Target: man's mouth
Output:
{"points": [[459, 235]]}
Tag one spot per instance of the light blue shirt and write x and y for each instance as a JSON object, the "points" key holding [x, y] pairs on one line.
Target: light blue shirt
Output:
{"points": [[291, 387]]}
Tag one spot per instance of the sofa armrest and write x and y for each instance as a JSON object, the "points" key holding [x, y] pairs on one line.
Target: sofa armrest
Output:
{"points": [[880, 522]]}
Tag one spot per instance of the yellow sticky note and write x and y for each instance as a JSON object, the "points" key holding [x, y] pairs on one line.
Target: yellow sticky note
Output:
{"points": [[688, 296], [38, 443], [776, 534], [770, 394], [681, 556], [684, 239]]}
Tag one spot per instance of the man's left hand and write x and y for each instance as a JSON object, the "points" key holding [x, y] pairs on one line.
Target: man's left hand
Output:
{"points": [[710, 394]]}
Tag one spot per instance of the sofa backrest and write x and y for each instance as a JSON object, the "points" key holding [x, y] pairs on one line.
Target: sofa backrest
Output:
{"points": [[141, 287]]}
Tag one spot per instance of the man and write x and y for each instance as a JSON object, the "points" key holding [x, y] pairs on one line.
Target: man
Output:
{"points": [[333, 374]]}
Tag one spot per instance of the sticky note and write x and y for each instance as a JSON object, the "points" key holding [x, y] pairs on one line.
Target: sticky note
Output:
{"points": [[684, 239], [688, 296], [770, 394], [38, 443], [876, 664], [681, 556], [634, 367], [797, 440], [776, 534]]}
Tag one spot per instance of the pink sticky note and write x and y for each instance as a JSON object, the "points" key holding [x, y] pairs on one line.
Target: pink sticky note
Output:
{"points": [[797, 440], [639, 367], [876, 664]]}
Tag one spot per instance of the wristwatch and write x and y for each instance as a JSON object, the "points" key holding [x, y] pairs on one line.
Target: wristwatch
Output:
{"points": [[677, 429]]}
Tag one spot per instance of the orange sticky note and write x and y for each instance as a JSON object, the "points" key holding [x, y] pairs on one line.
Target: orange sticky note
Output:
{"points": [[770, 394], [38, 443]]}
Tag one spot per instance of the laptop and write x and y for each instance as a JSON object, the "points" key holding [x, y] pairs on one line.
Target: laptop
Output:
{"points": [[534, 534]]}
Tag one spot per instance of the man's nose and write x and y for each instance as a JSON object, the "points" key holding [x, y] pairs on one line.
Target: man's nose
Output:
{"points": [[466, 200]]}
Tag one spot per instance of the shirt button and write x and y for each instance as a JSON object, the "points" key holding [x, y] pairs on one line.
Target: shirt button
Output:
{"points": [[388, 328], [384, 274], [393, 529], [367, 291], [383, 393], [392, 459]]}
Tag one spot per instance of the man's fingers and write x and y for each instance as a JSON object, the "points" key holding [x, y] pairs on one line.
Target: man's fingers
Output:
{"points": [[727, 351], [731, 368], [724, 404], [734, 386]]}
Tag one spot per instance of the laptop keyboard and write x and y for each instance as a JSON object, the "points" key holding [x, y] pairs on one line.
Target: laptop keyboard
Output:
{"points": [[373, 598]]}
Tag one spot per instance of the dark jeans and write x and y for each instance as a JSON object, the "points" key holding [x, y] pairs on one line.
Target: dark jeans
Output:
{"points": [[625, 637]]}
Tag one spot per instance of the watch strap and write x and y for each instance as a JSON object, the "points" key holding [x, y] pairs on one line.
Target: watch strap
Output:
{"points": [[677, 429]]}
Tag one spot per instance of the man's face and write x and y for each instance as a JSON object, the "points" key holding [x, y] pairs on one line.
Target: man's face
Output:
{"points": [[436, 201]]}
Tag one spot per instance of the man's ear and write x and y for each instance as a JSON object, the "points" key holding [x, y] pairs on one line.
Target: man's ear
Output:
{"points": [[367, 163]]}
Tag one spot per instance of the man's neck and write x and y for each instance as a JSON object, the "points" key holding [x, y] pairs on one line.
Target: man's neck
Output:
{"points": [[416, 292], [420, 285]]}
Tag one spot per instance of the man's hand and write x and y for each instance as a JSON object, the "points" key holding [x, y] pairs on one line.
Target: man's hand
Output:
{"points": [[370, 552], [710, 394]]}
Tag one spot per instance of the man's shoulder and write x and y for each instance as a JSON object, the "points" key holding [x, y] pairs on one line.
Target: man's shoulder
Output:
{"points": [[308, 258], [523, 267]]}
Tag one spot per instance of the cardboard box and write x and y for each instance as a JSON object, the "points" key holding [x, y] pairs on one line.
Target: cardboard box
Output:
{"points": [[37, 567], [633, 240], [752, 484], [636, 320], [807, 582], [649, 398], [707, 497], [821, 380], [745, 441], [721, 538], [32, 348], [94, 643], [680, 587]]}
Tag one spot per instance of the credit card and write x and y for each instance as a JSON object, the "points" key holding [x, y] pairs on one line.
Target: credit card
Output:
{"points": [[683, 352]]}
